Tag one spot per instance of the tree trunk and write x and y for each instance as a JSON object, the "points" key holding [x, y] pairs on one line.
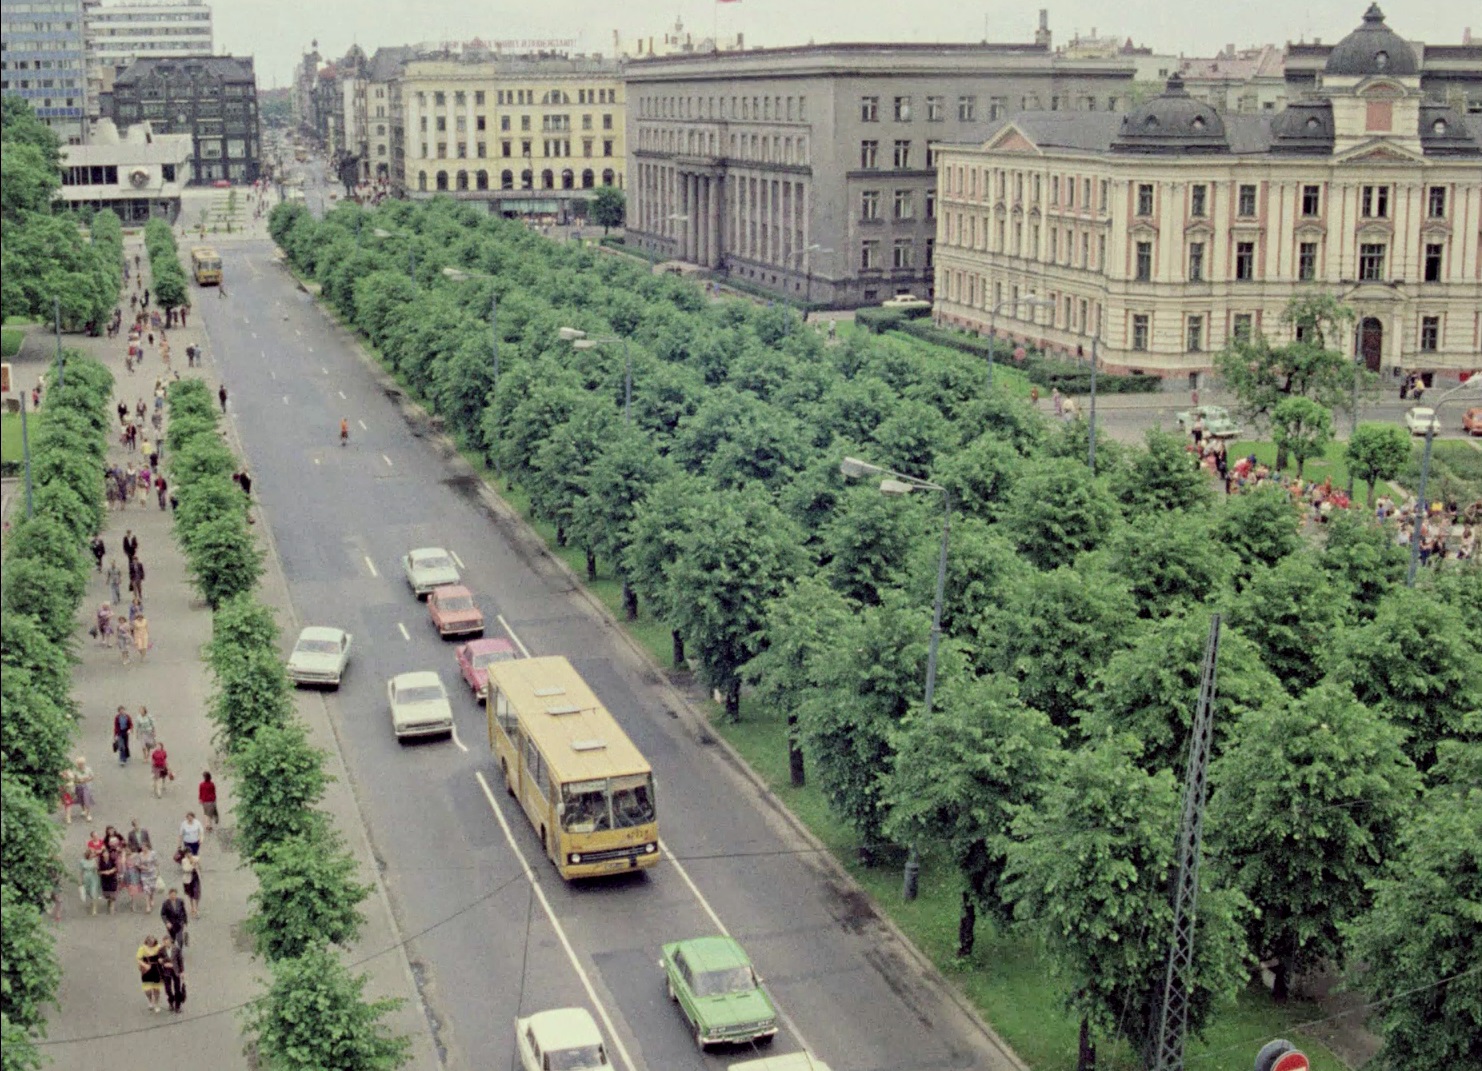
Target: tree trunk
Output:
{"points": [[630, 602], [1281, 459], [591, 565], [1371, 484], [795, 768], [678, 644], [733, 700], [560, 534], [967, 924], [1086, 1058], [1281, 980]]}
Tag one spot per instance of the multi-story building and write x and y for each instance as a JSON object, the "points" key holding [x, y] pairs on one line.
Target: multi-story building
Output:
{"points": [[137, 174], [1449, 74], [810, 171], [381, 95], [524, 134], [211, 98], [43, 58], [1169, 231], [118, 34], [305, 78]]}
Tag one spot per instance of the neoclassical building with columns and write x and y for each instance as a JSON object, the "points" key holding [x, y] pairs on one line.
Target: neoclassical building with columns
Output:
{"points": [[1166, 232]]}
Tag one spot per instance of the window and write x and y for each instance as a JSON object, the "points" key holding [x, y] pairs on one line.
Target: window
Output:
{"points": [[478, 97], [869, 155], [936, 109], [1435, 202], [869, 109], [869, 204], [440, 98], [1105, 194], [1307, 261], [1140, 331], [1311, 200], [901, 253], [929, 253], [869, 255], [1245, 261], [1242, 326], [1144, 261], [1434, 251], [607, 121], [1371, 262], [1052, 253], [931, 204], [606, 146], [1144, 198], [1070, 195], [1196, 262], [1246, 205], [1374, 202], [1430, 334], [967, 109], [1054, 189], [902, 109], [1194, 334], [904, 207], [902, 155], [504, 123]]}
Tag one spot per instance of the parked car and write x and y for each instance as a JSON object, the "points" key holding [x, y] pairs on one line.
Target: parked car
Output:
{"points": [[419, 705], [562, 1039], [905, 301], [716, 987], [1218, 423], [1471, 421], [453, 612], [428, 568], [474, 659], [1422, 419], [320, 656]]}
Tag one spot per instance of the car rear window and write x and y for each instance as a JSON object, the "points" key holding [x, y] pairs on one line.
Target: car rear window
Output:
{"points": [[319, 646], [423, 694], [436, 561], [458, 602]]}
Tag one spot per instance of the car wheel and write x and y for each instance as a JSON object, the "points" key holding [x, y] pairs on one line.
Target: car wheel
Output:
{"points": [[767, 1040], [669, 988], [700, 1039], [509, 786]]}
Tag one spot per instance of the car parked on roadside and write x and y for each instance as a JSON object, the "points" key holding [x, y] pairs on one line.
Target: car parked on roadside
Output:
{"points": [[1471, 421], [1422, 419], [419, 705], [453, 612], [718, 991], [428, 568], [1218, 424], [474, 659], [562, 1039], [319, 656]]}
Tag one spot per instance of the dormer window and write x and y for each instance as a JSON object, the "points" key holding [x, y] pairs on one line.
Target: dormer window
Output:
{"points": [[1314, 123], [1381, 60], [1198, 123], [1151, 122], [1439, 127]]}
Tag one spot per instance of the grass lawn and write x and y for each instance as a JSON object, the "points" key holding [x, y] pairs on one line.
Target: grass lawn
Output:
{"points": [[10, 341], [10, 437]]}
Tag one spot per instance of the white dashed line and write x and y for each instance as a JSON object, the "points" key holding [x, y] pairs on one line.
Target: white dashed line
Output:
{"points": [[316, 461], [285, 399], [460, 744], [387, 460], [457, 560], [362, 425], [272, 374], [511, 634], [404, 633], [340, 393], [371, 566]]}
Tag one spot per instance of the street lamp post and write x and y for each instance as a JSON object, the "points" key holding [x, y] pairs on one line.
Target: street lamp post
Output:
{"points": [[56, 310], [26, 455], [1091, 449], [1008, 303], [896, 483], [1425, 467], [580, 341]]}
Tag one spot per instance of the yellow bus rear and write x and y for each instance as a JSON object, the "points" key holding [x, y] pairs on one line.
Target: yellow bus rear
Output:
{"points": [[205, 265], [586, 789]]}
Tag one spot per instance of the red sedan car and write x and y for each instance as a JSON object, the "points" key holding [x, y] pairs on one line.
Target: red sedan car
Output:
{"points": [[475, 658], [453, 612]]}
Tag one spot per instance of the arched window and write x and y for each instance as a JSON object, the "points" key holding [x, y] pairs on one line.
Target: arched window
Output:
{"points": [[507, 180], [527, 179], [547, 179], [607, 176], [588, 179], [482, 180], [462, 181], [568, 179], [422, 181], [442, 180], [382, 171]]}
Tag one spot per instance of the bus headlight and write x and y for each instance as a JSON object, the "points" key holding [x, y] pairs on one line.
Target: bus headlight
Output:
{"points": [[650, 848], [575, 857]]}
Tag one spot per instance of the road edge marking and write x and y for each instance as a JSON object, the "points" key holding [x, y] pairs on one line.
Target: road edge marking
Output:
{"points": [[525, 651]]}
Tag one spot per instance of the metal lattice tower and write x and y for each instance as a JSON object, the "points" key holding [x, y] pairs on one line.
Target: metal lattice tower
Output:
{"points": [[1173, 1017]]}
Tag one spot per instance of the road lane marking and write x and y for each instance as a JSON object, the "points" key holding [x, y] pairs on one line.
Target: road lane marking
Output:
{"points": [[316, 461], [254, 334], [457, 560], [387, 460], [296, 331], [285, 399], [404, 633], [511, 634], [272, 374], [324, 370], [371, 566], [460, 744], [311, 350], [362, 425], [545, 905], [340, 393]]}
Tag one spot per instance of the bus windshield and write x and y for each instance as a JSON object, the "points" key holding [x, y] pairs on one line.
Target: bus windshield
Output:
{"points": [[615, 803]]}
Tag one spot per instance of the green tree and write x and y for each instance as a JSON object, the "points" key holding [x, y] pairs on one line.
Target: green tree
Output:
{"points": [[1259, 527], [32, 587], [563, 462], [314, 1017], [732, 559], [281, 778], [866, 542], [35, 733], [252, 694], [1169, 561], [608, 207], [961, 774], [1377, 452], [1056, 510], [1308, 800], [1362, 557], [27, 182], [980, 476], [1291, 611], [982, 567], [1160, 477], [1088, 869], [612, 490], [28, 842], [661, 520], [17, 1047], [239, 624], [29, 972], [306, 893], [1301, 429], [25, 648], [43, 539], [912, 436], [224, 559]]}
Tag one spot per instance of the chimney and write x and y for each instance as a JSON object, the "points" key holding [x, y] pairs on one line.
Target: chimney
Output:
{"points": [[1042, 35]]}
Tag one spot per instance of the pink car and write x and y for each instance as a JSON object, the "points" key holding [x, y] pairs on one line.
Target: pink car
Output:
{"points": [[474, 659], [453, 612]]}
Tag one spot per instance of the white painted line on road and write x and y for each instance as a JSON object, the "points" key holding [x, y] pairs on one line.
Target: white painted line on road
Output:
{"points": [[296, 331], [371, 566], [340, 393], [285, 399], [387, 460], [324, 370], [254, 334], [311, 350], [404, 633], [457, 560], [461, 746], [316, 461], [272, 374], [511, 634], [362, 425], [617, 1042]]}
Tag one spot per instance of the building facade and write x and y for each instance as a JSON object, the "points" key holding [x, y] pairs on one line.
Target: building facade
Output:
{"points": [[1166, 233], [810, 172], [43, 58], [137, 174], [383, 82], [525, 134], [118, 34], [211, 98]]}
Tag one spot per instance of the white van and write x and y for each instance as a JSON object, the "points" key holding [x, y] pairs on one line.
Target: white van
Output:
{"points": [[793, 1061]]}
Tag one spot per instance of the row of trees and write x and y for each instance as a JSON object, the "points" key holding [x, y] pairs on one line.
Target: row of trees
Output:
{"points": [[1077, 604], [170, 289], [47, 264], [313, 1016], [47, 567]]}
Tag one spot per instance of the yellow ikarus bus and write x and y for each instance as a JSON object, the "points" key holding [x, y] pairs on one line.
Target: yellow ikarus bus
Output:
{"points": [[588, 792], [205, 263]]}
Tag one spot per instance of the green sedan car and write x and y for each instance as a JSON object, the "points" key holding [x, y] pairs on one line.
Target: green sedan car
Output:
{"points": [[716, 987]]}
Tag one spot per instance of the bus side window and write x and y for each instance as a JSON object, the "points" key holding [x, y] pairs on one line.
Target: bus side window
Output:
{"points": [[533, 768], [504, 713]]}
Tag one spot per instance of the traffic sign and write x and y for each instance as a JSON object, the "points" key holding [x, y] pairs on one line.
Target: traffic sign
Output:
{"points": [[1291, 1061]]}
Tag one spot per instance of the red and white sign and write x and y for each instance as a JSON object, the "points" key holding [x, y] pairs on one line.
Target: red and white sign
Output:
{"points": [[1291, 1061]]}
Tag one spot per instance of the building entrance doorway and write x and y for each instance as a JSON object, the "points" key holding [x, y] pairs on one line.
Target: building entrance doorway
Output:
{"points": [[1371, 342]]}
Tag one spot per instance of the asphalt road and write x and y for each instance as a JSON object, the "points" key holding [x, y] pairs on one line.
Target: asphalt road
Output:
{"points": [[482, 941]]}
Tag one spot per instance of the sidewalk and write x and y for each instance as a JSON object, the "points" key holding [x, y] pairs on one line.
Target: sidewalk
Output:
{"points": [[102, 1005]]}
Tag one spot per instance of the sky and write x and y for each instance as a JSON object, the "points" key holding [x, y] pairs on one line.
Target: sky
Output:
{"points": [[278, 32]]}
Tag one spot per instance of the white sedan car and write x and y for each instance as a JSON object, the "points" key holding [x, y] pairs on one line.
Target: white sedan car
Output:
{"points": [[1420, 419], [563, 1039], [320, 656], [428, 568], [419, 705]]}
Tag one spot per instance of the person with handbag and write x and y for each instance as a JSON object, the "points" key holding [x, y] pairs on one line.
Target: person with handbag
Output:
{"points": [[148, 864], [172, 973], [159, 761], [123, 727], [150, 977], [173, 915], [191, 832], [192, 886]]}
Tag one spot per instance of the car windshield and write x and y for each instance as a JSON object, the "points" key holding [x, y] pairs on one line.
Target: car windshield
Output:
{"points": [[575, 1059], [488, 658], [719, 983], [457, 602], [433, 561], [318, 647], [424, 694]]}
